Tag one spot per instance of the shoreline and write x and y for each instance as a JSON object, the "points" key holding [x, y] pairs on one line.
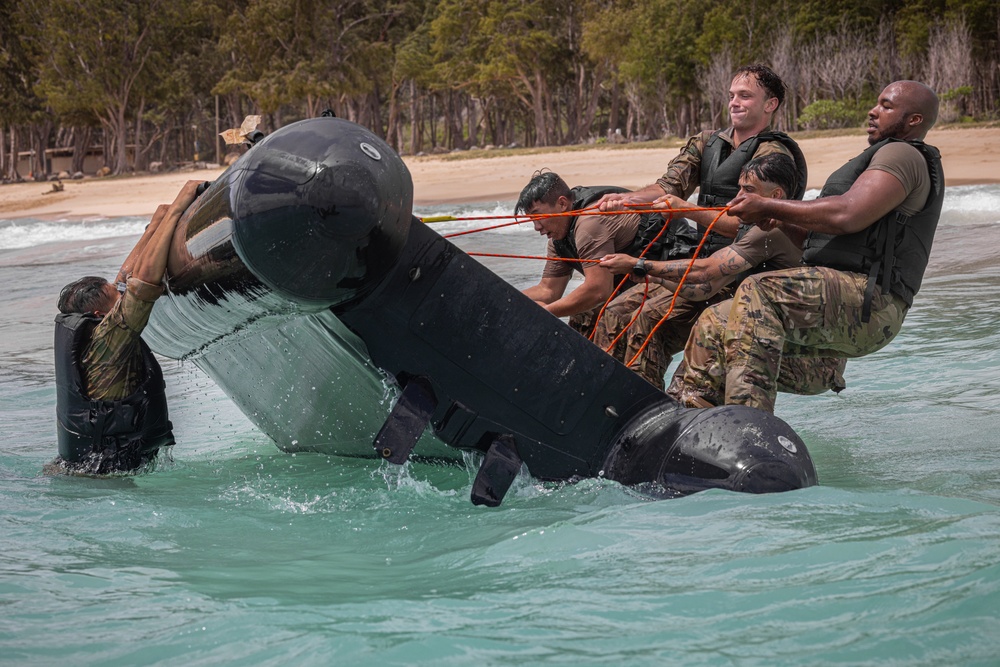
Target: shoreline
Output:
{"points": [[971, 156]]}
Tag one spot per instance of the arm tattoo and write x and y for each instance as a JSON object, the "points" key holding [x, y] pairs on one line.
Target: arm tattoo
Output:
{"points": [[733, 265]]}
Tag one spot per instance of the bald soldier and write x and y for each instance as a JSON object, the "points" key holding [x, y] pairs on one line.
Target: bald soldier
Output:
{"points": [[867, 240]]}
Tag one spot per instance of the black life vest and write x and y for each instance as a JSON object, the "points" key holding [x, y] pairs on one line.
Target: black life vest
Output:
{"points": [[105, 436], [583, 196], [901, 243], [721, 165]]}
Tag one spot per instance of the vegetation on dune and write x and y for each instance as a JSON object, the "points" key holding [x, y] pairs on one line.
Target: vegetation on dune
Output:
{"points": [[152, 80]]}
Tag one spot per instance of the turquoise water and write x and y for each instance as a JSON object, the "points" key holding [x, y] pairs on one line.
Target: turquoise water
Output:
{"points": [[236, 553]]}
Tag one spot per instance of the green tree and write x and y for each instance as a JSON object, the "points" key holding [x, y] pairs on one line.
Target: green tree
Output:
{"points": [[104, 56]]}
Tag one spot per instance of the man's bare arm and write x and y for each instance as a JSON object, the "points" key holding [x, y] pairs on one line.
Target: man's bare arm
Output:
{"points": [[872, 196], [597, 286], [133, 255], [707, 276], [151, 260], [548, 289]]}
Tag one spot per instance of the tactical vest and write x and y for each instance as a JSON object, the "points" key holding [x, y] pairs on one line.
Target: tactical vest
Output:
{"points": [[899, 243], [105, 436], [721, 166], [582, 198]]}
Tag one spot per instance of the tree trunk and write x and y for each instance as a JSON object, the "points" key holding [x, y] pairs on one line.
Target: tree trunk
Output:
{"points": [[455, 121], [234, 104], [81, 142], [613, 115], [140, 155], [377, 124], [586, 123], [42, 139], [414, 120], [392, 133], [535, 100], [433, 121], [473, 122], [118, 130], [15, 175], [449, 126]]}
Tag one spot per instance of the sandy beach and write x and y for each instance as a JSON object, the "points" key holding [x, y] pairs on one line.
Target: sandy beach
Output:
{"points": [[970, 156]]}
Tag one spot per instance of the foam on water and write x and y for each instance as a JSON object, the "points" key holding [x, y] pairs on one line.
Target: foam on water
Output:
{"points": [[237, 553], [28, 233]]}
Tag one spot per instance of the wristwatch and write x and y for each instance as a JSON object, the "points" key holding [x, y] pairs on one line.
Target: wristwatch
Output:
{"points": [[640, 270]]}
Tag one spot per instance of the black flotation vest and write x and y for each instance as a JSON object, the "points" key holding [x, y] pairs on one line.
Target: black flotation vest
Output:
{"points": [[105, 436], [901, 243], [721, 165], [583, 196]]}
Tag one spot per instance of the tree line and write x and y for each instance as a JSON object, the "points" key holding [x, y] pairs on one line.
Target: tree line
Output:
{"points": [[152, 80]]}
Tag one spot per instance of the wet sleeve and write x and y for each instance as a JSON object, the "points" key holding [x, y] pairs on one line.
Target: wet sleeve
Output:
{"points": [[144, 291], [758, 246], [112, 357], [683, 174], [769, 147]]}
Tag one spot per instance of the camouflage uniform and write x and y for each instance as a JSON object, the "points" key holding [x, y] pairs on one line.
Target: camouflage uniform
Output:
{"points": [[670, 337], [682, 177], [112, 361], [583, 323], [785, 331]]}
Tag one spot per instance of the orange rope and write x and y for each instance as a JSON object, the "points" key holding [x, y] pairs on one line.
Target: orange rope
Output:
{"points": [[551, 259], [531, 217], [483, 229], [630, 209], [527, 217], [638, 311], [680, 284], [668, 218]]}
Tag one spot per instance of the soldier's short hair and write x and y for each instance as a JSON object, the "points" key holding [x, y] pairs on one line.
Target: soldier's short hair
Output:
{"points": [[766, 78], [776, 168], [82, 296], [546, 187]]}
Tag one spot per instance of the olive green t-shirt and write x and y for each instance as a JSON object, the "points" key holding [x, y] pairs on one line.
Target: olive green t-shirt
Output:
{"points": [[906, 163], [595, 236]]}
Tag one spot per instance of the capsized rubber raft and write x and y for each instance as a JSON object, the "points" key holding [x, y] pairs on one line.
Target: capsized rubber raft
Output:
{"points": [[302, 284]]}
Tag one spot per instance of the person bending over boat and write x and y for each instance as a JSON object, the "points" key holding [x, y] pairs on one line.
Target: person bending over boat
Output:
{"points": [[753, 251], [575, 237], [111, 408], [710, 161], [867, 241]]}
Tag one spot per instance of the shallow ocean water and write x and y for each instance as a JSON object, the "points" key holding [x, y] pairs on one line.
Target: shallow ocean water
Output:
{"points": [[234, 552]]}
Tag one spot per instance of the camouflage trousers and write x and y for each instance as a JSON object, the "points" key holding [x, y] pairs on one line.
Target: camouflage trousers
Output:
{"points": [[789, 330], [583, 323], [669, 339]]}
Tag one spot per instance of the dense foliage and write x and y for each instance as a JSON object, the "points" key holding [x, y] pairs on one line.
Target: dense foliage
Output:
{"points": [[154, 80]]}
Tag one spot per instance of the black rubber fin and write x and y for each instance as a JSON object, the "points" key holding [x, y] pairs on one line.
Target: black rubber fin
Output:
{"points": [[406, 422], [497, 472]]}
